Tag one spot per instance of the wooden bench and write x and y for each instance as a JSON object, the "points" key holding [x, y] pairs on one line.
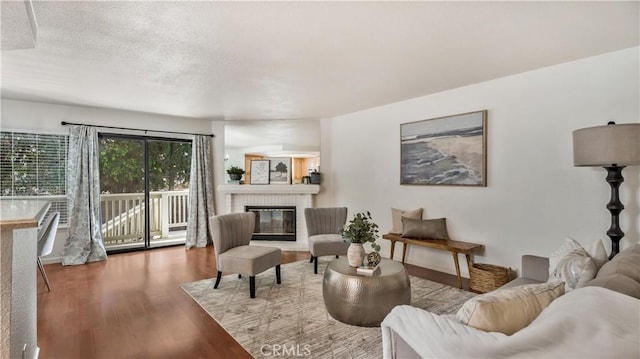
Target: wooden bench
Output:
{"points": [[455, 247]]}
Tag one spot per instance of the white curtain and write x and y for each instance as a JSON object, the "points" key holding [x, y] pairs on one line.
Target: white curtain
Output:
{"points": [[84, 243], [200, 194]]}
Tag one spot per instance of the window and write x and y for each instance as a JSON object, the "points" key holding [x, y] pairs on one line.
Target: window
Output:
{"points": [[33, 164]]}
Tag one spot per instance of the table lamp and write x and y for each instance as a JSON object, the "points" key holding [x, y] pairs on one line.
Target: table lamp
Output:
{"points": [[613, 147]]}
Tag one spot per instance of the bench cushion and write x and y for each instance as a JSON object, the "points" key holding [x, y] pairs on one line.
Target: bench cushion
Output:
{"points": [[425, 228], [398, 214]]}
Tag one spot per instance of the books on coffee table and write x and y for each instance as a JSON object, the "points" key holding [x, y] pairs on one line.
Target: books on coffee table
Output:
{"points": [[370, 271]]}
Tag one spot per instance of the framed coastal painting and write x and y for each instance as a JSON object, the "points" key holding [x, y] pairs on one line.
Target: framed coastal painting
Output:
{"points": [[260, 171], [280, 170], [449, 150]]}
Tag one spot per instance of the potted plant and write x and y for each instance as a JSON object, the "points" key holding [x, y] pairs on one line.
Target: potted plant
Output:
{"points": [[360, 230], [314, 177], [235, 173]]}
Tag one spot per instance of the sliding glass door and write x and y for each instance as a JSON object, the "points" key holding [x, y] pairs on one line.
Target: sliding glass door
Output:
{"points": [[140, 173], [122, 186], [169, 174]]}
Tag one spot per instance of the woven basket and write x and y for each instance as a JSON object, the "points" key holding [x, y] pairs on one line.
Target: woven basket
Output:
{"points": [[487, 277]]}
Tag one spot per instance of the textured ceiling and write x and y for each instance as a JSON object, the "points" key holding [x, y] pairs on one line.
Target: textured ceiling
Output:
{"points": [[19, 29], [293, 60]]}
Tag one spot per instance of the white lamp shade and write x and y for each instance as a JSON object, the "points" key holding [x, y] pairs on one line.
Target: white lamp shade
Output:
{"points": [[607, 145]]}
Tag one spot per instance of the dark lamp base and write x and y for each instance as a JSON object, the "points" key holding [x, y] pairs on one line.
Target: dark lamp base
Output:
{"points": [[615, 179]]}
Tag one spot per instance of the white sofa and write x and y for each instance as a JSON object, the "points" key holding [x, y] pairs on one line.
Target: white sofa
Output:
{"points": [[588, 322]]}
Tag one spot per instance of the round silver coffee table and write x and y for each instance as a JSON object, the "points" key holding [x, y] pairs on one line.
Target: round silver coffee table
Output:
{"points": [[364, 300]]}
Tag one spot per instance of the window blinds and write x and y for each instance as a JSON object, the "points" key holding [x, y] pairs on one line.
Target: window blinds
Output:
{"points": [[33, 164]]}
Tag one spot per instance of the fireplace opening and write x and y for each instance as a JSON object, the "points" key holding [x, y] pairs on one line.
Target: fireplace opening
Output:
{"points": [[274, 223]]}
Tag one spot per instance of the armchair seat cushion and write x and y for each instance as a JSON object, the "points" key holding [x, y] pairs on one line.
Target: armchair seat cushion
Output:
{"points": [[249, 260], [327, 244]]}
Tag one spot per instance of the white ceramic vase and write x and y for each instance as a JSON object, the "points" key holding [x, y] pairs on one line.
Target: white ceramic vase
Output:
{"points": [[355, 254]]}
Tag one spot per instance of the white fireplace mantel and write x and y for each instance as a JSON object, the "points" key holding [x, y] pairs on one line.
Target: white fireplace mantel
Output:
{"points": [[270, 189], [298, 195]]}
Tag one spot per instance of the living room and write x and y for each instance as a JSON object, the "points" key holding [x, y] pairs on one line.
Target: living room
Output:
{"points": [[534, 196]]}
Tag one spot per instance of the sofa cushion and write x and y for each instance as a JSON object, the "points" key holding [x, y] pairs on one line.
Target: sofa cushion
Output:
{"points": [[625, 262], [510, 309], [618, 282], [590, 322], [576, 268], [425, 228], [398, 214]]}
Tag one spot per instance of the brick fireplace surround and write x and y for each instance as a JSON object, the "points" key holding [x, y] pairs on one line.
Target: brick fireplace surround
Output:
{"points": [[300, 196]]}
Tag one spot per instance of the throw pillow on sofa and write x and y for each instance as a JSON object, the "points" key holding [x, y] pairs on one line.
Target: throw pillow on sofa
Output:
{"points": [[567, 247], [576, 268], [621, 273], [425, 228], [398, 214], [510, 309], [598, 253], [572, 263], [625, 262], [619, 283]]}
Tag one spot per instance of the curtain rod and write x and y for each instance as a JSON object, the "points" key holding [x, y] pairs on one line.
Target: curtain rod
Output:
{"points": [[64, 123]]}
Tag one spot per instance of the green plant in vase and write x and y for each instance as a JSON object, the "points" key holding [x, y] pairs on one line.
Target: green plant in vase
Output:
{"points": [[235, 173], [360, 230]]}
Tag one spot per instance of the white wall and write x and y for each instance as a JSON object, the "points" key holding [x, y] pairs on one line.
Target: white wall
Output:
{"points": [[534, 198], [36, 116], [41, 117], [236, 158]]}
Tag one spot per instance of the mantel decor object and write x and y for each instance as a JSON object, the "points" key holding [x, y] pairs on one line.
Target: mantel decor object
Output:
{"points": [[314, 177], [260, 171], [235, 173], [612, 147], [280, 170]]}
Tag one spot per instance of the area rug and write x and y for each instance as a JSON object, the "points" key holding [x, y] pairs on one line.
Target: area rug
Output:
{"points": [[290, 319]]}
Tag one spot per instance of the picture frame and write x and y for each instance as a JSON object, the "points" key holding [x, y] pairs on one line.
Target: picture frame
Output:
{"points": [[260, 171], [280, 170], [450, 150]]}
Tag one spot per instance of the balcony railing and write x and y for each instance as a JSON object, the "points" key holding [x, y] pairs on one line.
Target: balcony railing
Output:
{"points": [[123, 216]]}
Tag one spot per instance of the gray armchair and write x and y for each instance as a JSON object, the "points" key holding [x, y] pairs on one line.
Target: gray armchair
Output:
{"points": [[231, 237], [324, 226]]}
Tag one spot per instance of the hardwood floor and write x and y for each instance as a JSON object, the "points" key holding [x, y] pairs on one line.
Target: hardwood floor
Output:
{"points": [[132, 306]]}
